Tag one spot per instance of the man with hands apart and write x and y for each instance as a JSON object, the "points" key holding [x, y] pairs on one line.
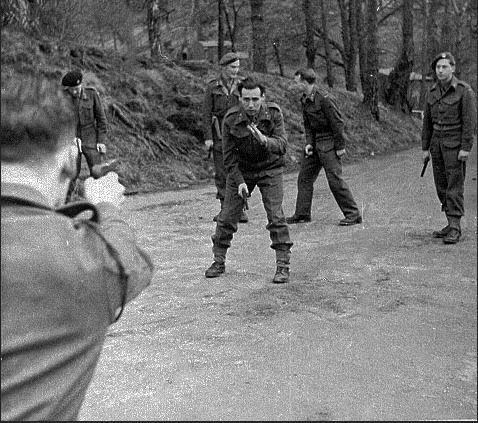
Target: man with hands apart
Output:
{"points": [[254, 145]]}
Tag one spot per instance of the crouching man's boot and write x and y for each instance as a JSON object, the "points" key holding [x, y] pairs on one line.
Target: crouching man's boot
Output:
{"points": [[282, 275], [282, 271], [454, 233], [216, 269]]}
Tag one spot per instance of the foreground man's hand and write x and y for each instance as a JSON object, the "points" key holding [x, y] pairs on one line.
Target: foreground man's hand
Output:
{"points": [[105, 189], [425, 155]]}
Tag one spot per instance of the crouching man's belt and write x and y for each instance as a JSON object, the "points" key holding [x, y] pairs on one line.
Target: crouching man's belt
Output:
{"points": [[437, 127]]}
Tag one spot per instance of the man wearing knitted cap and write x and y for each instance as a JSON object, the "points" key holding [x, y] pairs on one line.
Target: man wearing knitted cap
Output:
{"points": [[221, 95], [91, 121], [449, 127]]}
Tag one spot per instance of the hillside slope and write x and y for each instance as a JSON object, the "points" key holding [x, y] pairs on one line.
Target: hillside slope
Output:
{"points": [[154, 111]]}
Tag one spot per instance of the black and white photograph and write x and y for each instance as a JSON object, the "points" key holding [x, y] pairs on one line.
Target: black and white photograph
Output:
{"points": [[238, 210]]}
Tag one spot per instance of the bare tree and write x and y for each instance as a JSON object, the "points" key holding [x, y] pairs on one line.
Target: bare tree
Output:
{"points": [[232, 23], [370, 71], [220, 29], [153, 23], [396, 93], [309, 42], [328, 63], [259, 37], [348, 16]]}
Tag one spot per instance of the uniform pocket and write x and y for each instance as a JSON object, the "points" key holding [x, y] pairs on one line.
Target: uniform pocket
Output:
{"points": [[86, 113]]}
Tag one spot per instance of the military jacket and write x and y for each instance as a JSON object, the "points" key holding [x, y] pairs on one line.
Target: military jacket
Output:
{"points": [[453, 111], [243, 153], [91, 127], [323, 122], [217, 101], [61, 287]]}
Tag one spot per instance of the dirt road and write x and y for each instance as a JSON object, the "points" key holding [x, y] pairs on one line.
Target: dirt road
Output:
{"points": [[378, 322]]}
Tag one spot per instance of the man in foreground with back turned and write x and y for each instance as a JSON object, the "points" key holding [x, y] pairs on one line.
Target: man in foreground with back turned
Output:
{"points": [[254, 143], [65, 278]]}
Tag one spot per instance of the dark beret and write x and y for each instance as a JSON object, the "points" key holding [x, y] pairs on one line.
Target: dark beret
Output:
{"points": [[72, 79], [444, 55], [228, 58], [307, 74]]}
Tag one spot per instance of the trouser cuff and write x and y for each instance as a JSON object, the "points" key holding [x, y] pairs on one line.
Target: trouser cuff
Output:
{"points": [[219, 254], [282, 258], [454, 222]]}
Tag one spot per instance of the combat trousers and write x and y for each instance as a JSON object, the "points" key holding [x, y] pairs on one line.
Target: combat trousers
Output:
{"points": [[449, 175], [271, 188], [93, 157], [219, 173], [309, 171]]}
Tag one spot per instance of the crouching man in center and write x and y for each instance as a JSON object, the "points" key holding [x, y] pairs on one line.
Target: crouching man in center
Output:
{"points": [[254, 145]]}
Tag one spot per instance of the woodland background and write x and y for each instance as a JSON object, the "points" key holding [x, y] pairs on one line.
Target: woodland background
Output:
{"points": [[151, 59]]}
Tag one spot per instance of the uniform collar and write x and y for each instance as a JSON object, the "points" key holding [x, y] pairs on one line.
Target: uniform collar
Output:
{"points": [[453, 83], [311, 96], [263, 114]]}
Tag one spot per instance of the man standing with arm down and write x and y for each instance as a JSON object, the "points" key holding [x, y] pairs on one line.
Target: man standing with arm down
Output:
{"points": [[254, 146], [221, 94], [65, 279], [449, 126], [325, 146]]}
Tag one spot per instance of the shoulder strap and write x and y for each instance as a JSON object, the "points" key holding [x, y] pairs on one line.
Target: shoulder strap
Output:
{"points": [[72, 210]]}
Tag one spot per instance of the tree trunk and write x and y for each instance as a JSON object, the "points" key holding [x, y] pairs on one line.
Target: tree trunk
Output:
{"points": [[328, 63], [424, 63], [396, 93], [309, 42], [447, 33], [278, 58], [370, 90], [348, 16], [230, 30], [362, 43], [153, 28], [259, 37], [220, 31]]}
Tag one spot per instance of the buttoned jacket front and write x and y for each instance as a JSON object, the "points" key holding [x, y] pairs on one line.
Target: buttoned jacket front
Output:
{"points": [[453, 111], [243, 153]]}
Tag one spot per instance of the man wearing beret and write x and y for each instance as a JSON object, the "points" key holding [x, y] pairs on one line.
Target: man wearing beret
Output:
{"points": [[221, 94], [449, 126], [91, 121]]}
